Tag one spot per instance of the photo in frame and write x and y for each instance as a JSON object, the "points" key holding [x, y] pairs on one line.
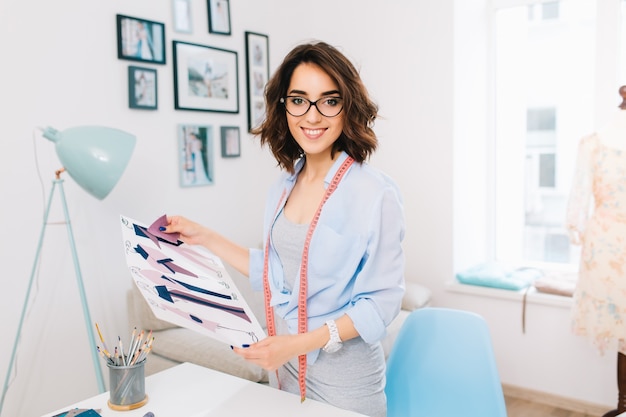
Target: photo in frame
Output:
{"points": [[219, 16], [142, 88], [181, 12], [231, 141], [140, 40], [257, 75], [205, 78], [195, 150]]}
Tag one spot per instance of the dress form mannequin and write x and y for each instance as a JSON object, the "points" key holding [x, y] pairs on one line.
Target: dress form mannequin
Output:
{"points": [[613, 134], [596, 219]]}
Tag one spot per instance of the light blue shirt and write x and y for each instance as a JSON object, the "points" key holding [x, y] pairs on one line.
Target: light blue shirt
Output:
{"points": [[356, 261]]}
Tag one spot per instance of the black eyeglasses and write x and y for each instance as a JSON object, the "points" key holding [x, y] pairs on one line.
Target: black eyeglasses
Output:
{"points": [[327, 106]]}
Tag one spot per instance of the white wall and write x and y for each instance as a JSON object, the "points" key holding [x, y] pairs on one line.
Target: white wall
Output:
{"points": [[60, 68]]}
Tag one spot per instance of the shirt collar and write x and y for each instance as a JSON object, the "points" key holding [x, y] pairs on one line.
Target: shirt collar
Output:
{"points": [[331, 172]]}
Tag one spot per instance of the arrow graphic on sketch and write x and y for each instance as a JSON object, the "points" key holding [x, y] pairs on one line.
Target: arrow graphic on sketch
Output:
{"points": [[169, 288]]}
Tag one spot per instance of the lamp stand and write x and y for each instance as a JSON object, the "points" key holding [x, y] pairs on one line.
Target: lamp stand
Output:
{"points": [[81, 289]]}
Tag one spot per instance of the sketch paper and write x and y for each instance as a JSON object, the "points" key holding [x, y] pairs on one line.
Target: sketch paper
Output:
{"points": [[187, 285]]}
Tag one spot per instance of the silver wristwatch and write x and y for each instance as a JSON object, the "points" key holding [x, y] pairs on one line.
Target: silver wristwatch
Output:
{"points": [[334, 343]]}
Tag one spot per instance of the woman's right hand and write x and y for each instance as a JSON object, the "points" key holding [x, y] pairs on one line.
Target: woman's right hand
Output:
{"points": [[191, 233]]}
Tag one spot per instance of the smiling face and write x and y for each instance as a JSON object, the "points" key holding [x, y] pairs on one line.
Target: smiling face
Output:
{"points": [[313, 132]]}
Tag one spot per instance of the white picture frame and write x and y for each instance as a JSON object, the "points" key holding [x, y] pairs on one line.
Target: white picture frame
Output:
{"points": [[181, 14]]}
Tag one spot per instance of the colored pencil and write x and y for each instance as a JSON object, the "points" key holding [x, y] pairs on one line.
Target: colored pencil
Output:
{"points": [[121, 350], [138, 348], [104, 345], [132, 341]]}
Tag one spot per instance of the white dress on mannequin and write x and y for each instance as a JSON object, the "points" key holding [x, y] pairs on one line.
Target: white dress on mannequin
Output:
{"points": [[596, 219]]}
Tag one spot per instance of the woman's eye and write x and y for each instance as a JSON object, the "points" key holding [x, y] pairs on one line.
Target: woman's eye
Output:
{"points": [[332, 101], [297, 101]]}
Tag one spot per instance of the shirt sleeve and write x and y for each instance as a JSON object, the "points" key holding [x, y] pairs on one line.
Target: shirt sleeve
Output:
{"points": [[379, 288], [581, 195]]}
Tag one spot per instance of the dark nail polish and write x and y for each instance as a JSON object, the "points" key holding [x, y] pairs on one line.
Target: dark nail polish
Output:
{"points": [[162, 228]]}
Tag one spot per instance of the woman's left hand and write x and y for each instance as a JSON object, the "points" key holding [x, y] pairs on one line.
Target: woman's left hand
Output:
{"points": [[271, 352]]}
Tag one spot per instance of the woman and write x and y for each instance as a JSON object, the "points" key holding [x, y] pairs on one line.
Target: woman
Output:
{"points": [[332, 264]]}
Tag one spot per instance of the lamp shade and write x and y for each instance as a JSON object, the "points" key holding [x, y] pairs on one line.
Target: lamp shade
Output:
{"points": [[94, 156]]}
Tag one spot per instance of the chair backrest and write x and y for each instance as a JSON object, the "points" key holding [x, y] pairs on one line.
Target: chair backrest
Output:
{"points": [[443, 365]]}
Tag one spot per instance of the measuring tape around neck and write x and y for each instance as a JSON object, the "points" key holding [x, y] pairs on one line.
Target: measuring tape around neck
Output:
{"points": [[302, 293]]}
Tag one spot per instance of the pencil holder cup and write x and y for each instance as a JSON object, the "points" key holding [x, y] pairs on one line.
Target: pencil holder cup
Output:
{"points": [[127, 386]]}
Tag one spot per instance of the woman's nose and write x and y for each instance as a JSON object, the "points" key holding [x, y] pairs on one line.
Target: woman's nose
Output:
{"points": [[313, 114]]}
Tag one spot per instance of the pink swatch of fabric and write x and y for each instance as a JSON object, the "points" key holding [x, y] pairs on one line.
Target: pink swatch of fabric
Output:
{"points": [[162, 222]]}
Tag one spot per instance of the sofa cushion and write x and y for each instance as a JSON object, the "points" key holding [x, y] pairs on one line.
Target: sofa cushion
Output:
{"points": [[415, 296], [183, 345]]}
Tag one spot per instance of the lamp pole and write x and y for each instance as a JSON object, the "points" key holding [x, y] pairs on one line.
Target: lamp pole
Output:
{"points": [[81, 289]]}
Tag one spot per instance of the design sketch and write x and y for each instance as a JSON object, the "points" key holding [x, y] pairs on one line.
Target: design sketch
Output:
{"points": [[187, 285]]}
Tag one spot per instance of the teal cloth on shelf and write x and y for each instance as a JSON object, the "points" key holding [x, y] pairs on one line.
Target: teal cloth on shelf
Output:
{"points": [[495, 275]]}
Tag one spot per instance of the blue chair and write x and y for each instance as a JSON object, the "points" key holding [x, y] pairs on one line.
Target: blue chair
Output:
{"points": [[442, 365]]}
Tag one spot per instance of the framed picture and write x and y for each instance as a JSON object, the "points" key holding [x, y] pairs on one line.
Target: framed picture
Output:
{"points": [[195, 149], [181, 12], [231, 145], [140, 40], [257, 75], [142, 88], [219, 16], [205, 78]]}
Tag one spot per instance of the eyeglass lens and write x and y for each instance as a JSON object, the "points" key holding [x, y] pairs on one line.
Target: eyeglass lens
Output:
{"points": [[327, 106]]}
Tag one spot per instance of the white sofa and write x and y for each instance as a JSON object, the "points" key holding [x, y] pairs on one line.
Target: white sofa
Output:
{"points": [[174, 345]]}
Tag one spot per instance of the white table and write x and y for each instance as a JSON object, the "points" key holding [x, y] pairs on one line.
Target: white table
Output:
{"points": [[189, 390]]}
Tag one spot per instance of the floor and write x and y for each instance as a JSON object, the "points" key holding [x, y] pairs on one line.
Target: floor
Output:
{"points": [[517, 407]]}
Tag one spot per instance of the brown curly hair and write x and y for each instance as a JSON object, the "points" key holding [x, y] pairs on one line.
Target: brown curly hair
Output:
{"points": [[357, 138]]}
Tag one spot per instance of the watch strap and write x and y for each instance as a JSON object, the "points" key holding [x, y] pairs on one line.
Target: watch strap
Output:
{"points": [[334, 339]]}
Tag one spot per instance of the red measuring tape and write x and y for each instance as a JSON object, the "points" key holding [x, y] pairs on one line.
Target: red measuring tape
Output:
{"points": [[302, 294]]}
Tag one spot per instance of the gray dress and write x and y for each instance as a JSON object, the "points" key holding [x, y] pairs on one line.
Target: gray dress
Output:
{"points": [[352, 378]]}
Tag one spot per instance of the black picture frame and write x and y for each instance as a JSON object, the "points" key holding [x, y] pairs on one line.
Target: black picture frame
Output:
{"points": [[257, 75], [140, 39], [219, 16], [205, 78], [231, 141], [142, 88]]}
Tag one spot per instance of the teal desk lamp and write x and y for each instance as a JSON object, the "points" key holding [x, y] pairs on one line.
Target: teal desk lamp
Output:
{"points": [[95, 157]]}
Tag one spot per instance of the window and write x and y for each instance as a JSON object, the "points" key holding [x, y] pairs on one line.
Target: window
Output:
{"points": [[544, 88], [541, 74]]}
